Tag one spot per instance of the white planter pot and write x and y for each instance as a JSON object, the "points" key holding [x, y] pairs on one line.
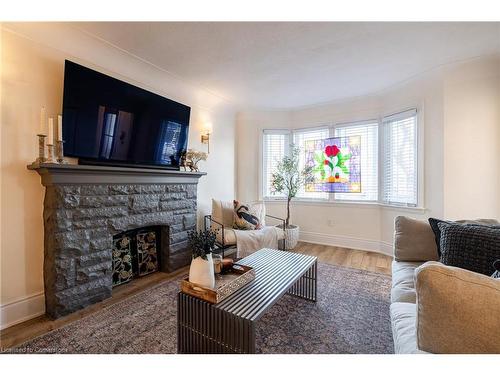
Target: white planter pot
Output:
{"points": [[291, 236], [202, 272]]}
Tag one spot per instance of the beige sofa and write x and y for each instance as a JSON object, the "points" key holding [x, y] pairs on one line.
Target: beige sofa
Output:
{"points": [[437, 308]]}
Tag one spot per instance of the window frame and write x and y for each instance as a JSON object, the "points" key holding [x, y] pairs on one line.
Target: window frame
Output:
{"points": [[331, 126], [418, 157], [328, 127], [360, 123], [280, 131]]}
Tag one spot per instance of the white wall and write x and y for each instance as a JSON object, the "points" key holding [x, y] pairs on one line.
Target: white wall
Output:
{"points": [[446, 91], [32, 76], [472, 142]]}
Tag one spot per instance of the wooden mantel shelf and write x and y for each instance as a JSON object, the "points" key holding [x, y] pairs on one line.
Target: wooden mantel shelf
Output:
{"points": [[95, 174]]}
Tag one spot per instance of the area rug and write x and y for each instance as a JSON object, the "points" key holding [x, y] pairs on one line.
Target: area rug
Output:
{"points": [[351, 316]]}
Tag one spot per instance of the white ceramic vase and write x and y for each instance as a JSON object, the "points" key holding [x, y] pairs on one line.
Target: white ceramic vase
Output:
{"points": [[201, 272]]}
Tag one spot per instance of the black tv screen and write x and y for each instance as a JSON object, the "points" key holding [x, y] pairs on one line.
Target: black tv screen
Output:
{"points": [[106, 120]]}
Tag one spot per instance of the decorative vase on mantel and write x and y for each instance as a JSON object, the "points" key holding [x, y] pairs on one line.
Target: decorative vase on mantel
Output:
{"points": [[201, 271]]}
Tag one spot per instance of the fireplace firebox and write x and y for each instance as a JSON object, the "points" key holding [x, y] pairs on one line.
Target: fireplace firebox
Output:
{"points": [[137, 253]]}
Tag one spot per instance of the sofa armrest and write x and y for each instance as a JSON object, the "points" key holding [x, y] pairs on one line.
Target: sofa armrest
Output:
{"points": [[414, 240], [458, 311]]}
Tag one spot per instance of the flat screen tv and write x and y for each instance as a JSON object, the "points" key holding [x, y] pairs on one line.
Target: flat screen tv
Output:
{"points": [[108, 121]]}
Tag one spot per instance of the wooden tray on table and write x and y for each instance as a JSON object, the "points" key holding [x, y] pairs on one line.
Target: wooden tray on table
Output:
{"points": [[232, 280]]}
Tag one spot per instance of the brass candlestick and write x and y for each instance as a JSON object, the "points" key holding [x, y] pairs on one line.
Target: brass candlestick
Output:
{"points": [[50, 158], [60, 152]]}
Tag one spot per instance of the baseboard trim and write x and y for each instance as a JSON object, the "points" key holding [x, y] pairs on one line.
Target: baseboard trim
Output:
{"points": [[386, 248], [346, 241], [22, 309]]}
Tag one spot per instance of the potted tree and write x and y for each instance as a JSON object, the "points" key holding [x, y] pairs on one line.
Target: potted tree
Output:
{"points": [[287, 180], [201, 270]]}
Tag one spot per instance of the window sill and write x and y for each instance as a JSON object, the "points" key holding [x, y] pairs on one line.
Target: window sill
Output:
{"points": [[357, 204]]}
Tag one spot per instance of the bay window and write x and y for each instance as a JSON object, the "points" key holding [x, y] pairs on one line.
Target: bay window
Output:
{"points": [[389, 173]]}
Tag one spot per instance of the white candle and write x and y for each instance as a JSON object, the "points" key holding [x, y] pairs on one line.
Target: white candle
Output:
{"points": [[51, 131], [43, 118], [59, 127]]}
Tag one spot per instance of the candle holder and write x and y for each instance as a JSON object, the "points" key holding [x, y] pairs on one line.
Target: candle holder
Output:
{"points": [[41, 151], [51, 159], [60, 152]]}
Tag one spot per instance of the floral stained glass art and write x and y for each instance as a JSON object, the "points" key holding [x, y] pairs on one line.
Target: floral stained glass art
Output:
{"points": [[335, 163]]}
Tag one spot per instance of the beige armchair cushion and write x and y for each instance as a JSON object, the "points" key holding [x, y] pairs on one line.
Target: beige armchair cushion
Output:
{"points": [[414, 240], [222, 212], [458, 311], [229, 237], [260, 211]]}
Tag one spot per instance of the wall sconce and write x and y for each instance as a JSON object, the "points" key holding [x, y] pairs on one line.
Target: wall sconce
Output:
{"points": [[205, 139]]}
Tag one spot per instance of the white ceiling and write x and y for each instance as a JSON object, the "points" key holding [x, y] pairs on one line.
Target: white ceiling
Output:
{"points": [[287, 65]]}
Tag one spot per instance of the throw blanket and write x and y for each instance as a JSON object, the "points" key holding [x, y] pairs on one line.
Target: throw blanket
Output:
{"points": [[249, 241]]}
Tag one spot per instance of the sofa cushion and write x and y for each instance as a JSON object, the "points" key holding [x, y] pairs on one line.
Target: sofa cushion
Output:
{"points": [[413, 240], [437, 232], [403, 284], [458, 310], [471, 247], [403, 322]]}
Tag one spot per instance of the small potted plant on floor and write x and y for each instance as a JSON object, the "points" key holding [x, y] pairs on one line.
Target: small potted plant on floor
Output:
{"points": [[287, 180], [202, 244]]}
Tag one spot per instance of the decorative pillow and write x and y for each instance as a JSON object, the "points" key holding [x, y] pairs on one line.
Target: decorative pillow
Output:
{"points": [[437, 232], [472, 247], [244, 217]]}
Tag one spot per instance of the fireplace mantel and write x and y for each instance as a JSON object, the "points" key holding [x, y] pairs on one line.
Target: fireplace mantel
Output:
{"points": [[52, 174]]}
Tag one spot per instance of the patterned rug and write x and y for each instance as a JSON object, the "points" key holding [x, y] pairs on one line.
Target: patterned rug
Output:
{"points": [[351, 316]]}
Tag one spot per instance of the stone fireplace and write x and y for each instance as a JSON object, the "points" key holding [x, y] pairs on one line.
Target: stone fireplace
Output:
{"points": [[86, 206]]}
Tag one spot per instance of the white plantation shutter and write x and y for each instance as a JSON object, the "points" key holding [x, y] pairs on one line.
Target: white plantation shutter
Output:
{"points": [[299, 139], [368, 131], [274, 146], [399, 159]]}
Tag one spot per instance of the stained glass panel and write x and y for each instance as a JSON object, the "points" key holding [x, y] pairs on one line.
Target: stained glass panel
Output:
{"points": [[336, 164]]}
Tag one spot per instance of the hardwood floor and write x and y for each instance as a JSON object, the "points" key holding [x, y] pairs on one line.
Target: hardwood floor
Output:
{"points": [[358, 259]]}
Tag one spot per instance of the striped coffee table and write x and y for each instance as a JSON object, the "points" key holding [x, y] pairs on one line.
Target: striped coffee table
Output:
{"points": [[229, 326]]}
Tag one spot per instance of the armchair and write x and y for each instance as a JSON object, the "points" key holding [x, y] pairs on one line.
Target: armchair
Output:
{"points": [[221, 220]]}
